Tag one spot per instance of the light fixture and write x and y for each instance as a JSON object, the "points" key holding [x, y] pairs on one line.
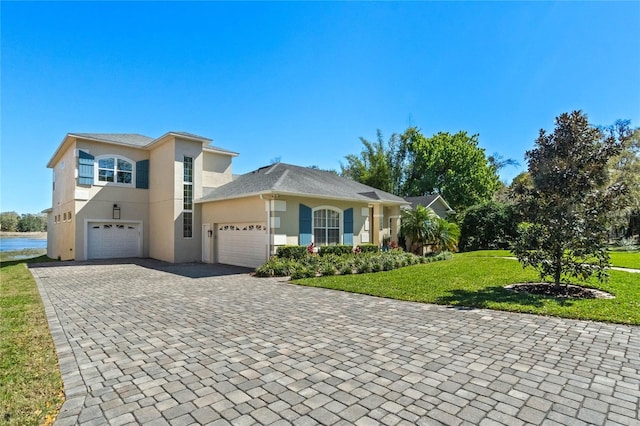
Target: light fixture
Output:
{"points": [[116, 211]]}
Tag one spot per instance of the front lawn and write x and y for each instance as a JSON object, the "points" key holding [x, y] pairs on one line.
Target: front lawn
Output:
{"points": [[625, 259], [477, 279], [31, 391], [622, 259]]}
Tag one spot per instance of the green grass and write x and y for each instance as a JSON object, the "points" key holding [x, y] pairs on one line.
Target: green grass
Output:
{"points": [[478, 280], [622, 259], [625, 259], [24, 254], [31, 391]]}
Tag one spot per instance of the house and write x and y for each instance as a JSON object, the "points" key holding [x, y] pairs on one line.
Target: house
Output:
{"points": [[433, 201], [174, 198]]}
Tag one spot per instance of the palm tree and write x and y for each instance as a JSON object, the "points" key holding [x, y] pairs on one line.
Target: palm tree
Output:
{"points": [[446, 236], [418, 226]]}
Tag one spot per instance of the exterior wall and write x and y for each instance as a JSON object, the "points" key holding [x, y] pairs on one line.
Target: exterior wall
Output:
{"points": [[216, 169], [159, 209], [61, 233], [440, 209], [133, 208], [162, 201], [364, 227], [95, 203], [187, 249], [241, 210]]}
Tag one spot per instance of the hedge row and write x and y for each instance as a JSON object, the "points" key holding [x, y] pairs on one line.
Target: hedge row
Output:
{"points": [[298, 252], [331, 264]]}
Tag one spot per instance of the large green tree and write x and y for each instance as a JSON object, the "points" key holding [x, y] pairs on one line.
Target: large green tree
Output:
{"points": [[377, 165], [452, 165], [625, 169], [9, 221], [567, 205], [32, 223]]}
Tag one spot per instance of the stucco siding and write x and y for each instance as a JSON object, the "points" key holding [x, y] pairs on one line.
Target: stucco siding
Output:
{"points": [[289, 219], [162, 214], [242, 210], [60, 235], [216, 169]]}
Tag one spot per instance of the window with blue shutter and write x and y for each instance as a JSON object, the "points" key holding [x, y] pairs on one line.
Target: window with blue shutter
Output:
{"points": [[85, 168], [348, 228], [142, 174], [305, 225]]}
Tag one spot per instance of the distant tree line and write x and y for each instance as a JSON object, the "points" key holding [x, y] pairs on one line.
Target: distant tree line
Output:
{"points": [[14, 222]]}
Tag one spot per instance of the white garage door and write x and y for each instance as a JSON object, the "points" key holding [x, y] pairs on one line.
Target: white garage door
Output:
{"points": [[112, 240], [242, 244]]}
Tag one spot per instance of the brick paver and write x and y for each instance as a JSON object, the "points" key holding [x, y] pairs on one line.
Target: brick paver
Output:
{"points": [[148, 342]]}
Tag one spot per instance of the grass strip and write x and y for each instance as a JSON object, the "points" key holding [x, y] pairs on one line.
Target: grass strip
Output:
{"points": [[478, 281], [31, 390]]}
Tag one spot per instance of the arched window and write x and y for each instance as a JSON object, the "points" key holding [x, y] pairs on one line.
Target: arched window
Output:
{"points": [[326, 226], [114, 169]]}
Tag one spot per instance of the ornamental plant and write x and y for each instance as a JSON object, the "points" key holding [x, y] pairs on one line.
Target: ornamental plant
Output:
{"points": [[567, 203]]}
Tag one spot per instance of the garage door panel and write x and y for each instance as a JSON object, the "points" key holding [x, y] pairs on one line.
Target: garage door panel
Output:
{"points": [[113, 240], [242, 244]]}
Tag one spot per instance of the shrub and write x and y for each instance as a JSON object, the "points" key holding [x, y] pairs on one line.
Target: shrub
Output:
{"points": [[337, 249], [327, 268], [302, 272], [276, 267], [486, 226], [369, 248], [291, 252], [331, 264]]}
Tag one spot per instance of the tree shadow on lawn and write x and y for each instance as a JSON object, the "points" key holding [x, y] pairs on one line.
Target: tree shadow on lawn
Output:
{"points": [[490, 296]]}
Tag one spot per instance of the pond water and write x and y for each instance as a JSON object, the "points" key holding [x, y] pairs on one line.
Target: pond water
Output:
{"points": [[19, 243]]}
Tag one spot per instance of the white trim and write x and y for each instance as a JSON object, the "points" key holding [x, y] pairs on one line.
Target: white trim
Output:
{"points": [[116, 157], [119, 221]]}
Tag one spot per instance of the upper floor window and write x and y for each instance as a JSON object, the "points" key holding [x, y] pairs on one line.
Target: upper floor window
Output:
{"points": [[114, 169], [187, 198], [326, 227]]}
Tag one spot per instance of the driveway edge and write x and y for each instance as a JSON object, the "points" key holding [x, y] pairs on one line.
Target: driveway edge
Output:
{"points": [[75, 390]]}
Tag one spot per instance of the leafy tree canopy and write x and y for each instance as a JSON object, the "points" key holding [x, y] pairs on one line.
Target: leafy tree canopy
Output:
{"points": [[376, 165], [411, 164], [566, 203], [453, 166], [625, 170]]}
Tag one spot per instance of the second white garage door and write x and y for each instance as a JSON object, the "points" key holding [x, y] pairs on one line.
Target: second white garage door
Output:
{"points": [[241, 244]]}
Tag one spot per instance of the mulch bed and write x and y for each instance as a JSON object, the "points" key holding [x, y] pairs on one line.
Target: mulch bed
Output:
{"points": [[566, 291]]}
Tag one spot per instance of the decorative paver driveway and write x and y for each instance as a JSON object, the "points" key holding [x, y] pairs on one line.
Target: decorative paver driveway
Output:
{"points": [[147, 342]]}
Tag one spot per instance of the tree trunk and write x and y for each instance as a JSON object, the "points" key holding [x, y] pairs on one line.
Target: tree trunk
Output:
{"points": [[558, 268]]}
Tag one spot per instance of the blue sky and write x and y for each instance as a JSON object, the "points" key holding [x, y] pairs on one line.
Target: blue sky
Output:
{"points": [[303, 81]]}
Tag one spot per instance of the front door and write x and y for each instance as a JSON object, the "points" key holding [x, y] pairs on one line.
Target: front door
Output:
{"points": [[207, 238]]}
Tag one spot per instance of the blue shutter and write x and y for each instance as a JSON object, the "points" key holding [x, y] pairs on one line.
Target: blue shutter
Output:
{"points": [[142, 174], [348, 228], [85, 168], [305, 225]]}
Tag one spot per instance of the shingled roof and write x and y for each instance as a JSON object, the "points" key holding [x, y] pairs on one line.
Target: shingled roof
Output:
{"points": [[281, 178], [134, 139]]}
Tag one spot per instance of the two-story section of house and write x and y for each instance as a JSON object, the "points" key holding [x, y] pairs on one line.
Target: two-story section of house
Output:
{"points": [[129, 195]]}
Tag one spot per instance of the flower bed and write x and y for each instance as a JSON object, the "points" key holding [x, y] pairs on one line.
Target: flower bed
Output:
{"points": [[311, 265]]}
